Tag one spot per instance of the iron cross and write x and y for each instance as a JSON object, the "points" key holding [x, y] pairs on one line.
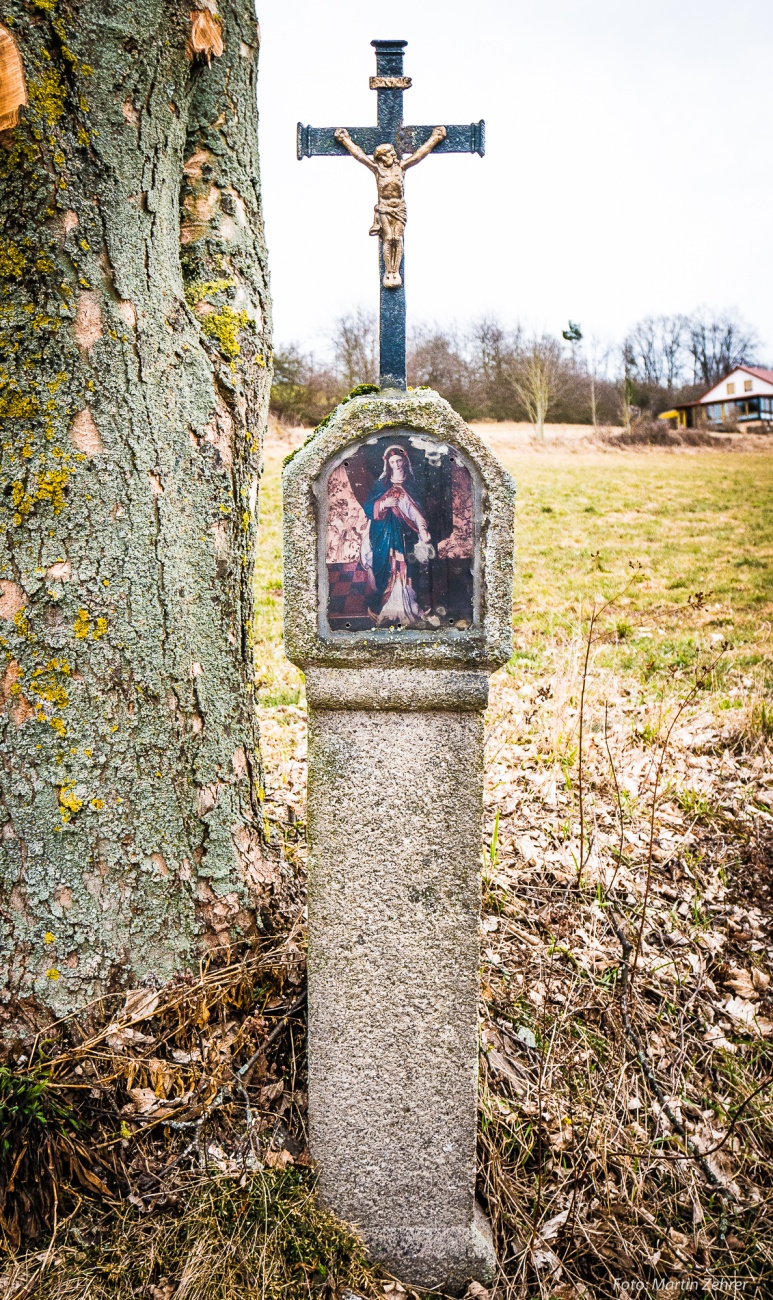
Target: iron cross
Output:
{"points": [[396, 147]]}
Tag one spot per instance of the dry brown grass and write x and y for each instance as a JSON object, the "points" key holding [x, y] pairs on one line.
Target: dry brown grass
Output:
{"points": [[629, 1138], [155, 1146]]}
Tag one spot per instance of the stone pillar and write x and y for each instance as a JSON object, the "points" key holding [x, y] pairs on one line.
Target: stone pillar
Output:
{"points": [[395, 796]]}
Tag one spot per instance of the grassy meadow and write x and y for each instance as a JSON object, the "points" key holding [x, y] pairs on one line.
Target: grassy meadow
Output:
{"points": [[700, 524]]}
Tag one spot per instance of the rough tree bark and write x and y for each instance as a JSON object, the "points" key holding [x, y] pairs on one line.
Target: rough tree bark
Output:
{"points": [[134, 377]]}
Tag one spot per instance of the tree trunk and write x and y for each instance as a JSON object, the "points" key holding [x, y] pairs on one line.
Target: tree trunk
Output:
{"points": [[134, 379]]}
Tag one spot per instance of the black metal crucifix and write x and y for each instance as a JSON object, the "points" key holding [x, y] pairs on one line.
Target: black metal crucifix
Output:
{"points": [[409, 145]]}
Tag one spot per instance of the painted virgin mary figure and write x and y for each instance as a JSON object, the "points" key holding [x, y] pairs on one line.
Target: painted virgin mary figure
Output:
{"points": [[397, 526]]}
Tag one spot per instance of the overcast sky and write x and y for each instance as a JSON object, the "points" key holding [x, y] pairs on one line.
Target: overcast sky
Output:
{"points": [[627, 169]]}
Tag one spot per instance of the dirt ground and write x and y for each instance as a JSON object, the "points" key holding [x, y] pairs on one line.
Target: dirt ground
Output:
{"points": [[509, 435]]}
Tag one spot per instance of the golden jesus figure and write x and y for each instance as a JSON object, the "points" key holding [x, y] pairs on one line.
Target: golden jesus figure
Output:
{"points": [[390, 214]]}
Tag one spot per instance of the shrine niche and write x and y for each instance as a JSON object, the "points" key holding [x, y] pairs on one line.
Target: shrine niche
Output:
{"points": [[400, 534]]}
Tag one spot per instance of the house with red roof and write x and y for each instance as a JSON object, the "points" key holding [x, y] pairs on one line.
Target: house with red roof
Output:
{"points": [[742, 400]]}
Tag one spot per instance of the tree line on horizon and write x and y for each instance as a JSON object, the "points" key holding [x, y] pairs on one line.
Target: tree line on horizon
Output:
{"points": [[492, 371]]}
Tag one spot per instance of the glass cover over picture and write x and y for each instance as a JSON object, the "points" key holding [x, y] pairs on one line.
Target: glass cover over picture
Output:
{"points": [[400, 537]]}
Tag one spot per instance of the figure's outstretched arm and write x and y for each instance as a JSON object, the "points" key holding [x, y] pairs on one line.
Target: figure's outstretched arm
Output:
{"points": [[343, 137], [438, 135]]}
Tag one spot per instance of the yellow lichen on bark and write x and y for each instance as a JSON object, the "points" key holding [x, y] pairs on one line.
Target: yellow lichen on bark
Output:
{"points": [[124, 424]]}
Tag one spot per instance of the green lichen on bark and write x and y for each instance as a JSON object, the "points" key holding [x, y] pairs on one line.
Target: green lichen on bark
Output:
{"points": [[223, 327], [130, 443]]}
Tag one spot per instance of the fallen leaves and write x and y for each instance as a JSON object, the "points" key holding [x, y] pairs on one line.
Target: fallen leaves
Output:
{"points": [[747, 1014], [579, 1101], [747, 984], [146, 1104], [278, 1159], [162, 1290], [158, 1089], [476, 1292], [87, 1176], [562, 1092]]}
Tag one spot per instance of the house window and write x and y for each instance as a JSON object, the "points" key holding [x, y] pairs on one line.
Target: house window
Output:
{"points": [[730, 389], [748, 385]]}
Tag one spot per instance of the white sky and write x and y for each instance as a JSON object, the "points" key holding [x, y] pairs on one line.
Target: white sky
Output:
{"points": [[627, 169]]}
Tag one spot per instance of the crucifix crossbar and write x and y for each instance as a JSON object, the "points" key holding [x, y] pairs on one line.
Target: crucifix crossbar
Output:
{"points": [[388, 149]]}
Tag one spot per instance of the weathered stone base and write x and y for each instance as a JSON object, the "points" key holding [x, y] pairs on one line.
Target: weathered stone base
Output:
{"points": [[444, 1259], [395, 802]]}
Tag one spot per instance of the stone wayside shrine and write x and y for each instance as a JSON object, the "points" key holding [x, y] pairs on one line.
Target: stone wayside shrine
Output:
{"points": [[398, 560]]}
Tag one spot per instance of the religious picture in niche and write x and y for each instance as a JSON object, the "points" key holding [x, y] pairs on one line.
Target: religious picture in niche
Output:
{"points": [[400, 543]]}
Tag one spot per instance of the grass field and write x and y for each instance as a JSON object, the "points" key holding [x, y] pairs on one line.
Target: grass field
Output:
{"points": [[700, 524]]}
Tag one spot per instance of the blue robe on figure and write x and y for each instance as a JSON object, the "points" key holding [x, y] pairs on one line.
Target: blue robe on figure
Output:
{"points": [[392, 533], [384, 552]]}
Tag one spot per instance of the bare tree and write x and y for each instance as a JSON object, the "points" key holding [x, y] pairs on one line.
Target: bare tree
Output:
{"points": [[490, 371], [491, 351], [658, 351], [718, 344], [628, 411], [672, 343], [439, 359], [668, 352], [355, 344], [596, 363], [303, 391], [537, 377]]}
